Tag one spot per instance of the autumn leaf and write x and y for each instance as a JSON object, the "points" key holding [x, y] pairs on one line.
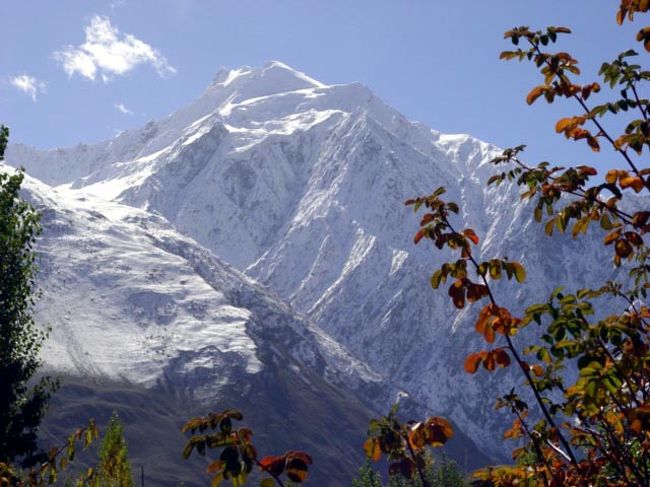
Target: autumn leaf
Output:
{"points": [[519, 271], [537, 370], [273, 464], [634, 182], [457, 294], [470, 234], [612, 237], [501, 357], [420, 235], [563, 124], [611, 176], [623, 248], [473, 361], [535, 93], [372, 449]]}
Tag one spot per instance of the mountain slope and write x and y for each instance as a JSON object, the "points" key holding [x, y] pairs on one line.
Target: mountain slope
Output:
{"points": [[301, 186], [146, 321]]}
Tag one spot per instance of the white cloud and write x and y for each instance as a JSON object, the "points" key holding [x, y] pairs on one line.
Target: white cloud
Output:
{"points": [[28, 84], [107, 53], [123, 109]]}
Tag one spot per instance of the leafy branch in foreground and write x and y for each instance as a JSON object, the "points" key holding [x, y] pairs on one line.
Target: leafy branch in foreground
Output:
{"points": [[405, 444], [58, 459], [238, 455], [593, 427]]}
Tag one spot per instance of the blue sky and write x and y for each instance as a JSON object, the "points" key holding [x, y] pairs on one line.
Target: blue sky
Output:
{"points": [[434, 60]]}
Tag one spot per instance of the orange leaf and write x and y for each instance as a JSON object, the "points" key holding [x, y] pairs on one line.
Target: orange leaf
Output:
{"points": [[611, 176], [537, 370], [438, 431], [420, 235], [273, 464], [535, 93], [472, 362], [489, 333], [587, 170], [372, 449], [611, 237], [428, 218], [417, 437], [215, 466], [488, 362], [634, 182], [470, 234], [563, 124]]}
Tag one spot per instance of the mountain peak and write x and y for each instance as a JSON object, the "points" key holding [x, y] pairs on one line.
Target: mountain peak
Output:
{"points": [[271, 78]]}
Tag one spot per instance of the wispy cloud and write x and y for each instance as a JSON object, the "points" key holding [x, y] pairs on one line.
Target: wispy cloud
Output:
{"points": [[107, 53], [29, 85], [123, 109]]}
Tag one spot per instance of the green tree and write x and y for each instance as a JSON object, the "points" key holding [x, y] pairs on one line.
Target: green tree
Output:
{"points": [[23, 398], [367, 477], [443, 473], [114, 464]]}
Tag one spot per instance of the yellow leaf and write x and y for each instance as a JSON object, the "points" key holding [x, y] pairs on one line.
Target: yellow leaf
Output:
{"points": [[634, 182], [520, 272], [371, 447], [563, 124], [611, 176]]}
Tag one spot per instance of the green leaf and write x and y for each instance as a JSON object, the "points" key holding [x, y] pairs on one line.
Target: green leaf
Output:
{"points": [[605, 222], [187, 451]]}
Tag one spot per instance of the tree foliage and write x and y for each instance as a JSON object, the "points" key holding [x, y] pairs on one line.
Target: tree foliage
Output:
{"points": [[56, 460], [405, 444], [593, 427], [114, 469], [238, 457], [441, 473], [23, 399]]}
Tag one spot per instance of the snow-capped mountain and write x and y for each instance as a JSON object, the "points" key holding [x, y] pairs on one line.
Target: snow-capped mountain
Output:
{"points": [[146, 321], [301, 185]]}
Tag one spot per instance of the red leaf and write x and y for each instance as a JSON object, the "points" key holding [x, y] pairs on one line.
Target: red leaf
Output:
{"points": [[273, 464], [470, 234]]}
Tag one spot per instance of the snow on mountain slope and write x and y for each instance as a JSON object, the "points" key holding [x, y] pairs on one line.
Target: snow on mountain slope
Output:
{"points": [[162, 294], [301, 185], [146, 321]]}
